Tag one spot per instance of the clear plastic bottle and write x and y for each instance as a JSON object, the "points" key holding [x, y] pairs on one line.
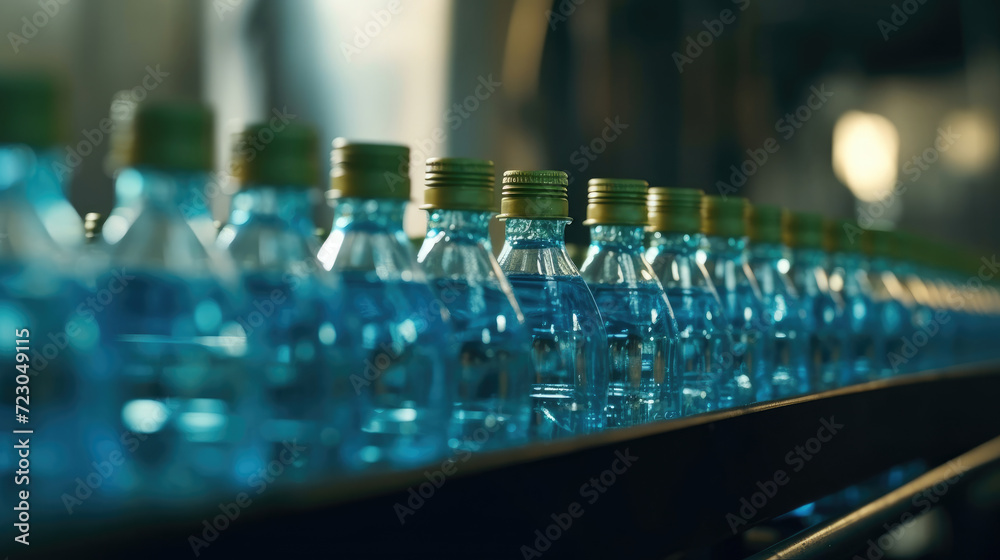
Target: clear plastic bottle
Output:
{"points": [[931, 330], [770, 261], [297, 343], [492, 405], [403, 375], [726, 260], [568, 341], [52, 371], [849, 280], [642, 331], [826, 320], [893, 305], [706, 347], [170, 329]]}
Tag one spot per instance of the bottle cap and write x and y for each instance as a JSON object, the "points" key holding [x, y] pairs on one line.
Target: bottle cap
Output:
{"points": [[534, 194], [617, 201], [284, 158], [842, 236], [459, 184], [723, 217], [369, 170], [877, 243], [32, 106], [176, 136], [92, 224], [763, 223], [803, 230], [674, 210]]}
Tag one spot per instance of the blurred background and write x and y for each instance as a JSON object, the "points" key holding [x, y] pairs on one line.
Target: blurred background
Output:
{"points": [[881, 111]]}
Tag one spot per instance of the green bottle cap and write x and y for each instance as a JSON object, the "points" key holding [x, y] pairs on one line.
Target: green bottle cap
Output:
{"points": [[842, 236], [617, 201], [285, 158], [32, 106], [763, 223], [459, 184], [534, 194], [369, 170], [175, 136], [877, 243], [674, 210], [723, 217], [803, 230]]}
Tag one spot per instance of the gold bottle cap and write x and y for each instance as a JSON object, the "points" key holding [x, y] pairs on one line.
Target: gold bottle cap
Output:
{"points": [[617, 201], [803, 230], [534, 194], [459, 184], [369, 170], [763, 223], [723, 217], [674, 210]]}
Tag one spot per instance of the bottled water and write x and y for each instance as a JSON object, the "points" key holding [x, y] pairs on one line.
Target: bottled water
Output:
{"points": [[706, 348], [849, 280], [53, 385], [642, 332], [828, 325], [726, 260], [893, 305], [296, 342], [170, 330], [770, 261], [492, 405], [402, 377], [568, 341]]}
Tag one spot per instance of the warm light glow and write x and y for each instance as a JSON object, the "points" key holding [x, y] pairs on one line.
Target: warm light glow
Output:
{"points": [[866, 154], [976, 140]]}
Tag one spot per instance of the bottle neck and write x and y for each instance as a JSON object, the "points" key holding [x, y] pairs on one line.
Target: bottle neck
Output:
{"points": [[770, 252], [370, 213], [728, 248], [535, 233], [675, 243], [465, 224], [810, 258], [290, 207], [626, 239]]}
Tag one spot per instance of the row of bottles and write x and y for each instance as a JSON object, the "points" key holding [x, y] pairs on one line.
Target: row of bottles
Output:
{"points": [[205, 360]]}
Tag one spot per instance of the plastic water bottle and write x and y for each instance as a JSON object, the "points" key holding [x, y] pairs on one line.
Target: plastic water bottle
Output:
{"points": [[403, 375], [297, 344], [492, 404], [642, 331], [568, 341], [826, 321], [706, 348], [893, 304], [849, 280], [170, 327], [53, 382], [726, 260], [770, 261]]}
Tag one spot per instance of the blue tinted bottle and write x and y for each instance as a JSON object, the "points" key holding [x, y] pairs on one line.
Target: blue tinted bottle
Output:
{"points": [[402, 372], [296, 343], [171, 332], [770, 261], [849, 280], [705, 352], [568, 345], [826, 320], [642, 333], [726, 259], [493, 376]]}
